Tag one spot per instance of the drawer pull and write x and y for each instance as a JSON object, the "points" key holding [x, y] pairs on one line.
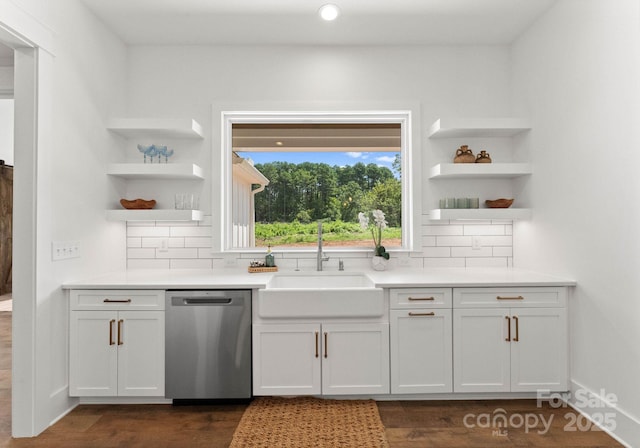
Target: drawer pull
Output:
{"points": [[117, 301], [120, 342], [111, 322], [326, 350], [422, 314], [421, 298], [508, 339], [517, 338], [316, 344], [510, 298]]}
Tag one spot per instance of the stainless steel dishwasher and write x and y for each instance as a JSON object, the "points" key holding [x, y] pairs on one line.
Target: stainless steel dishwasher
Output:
{"points": [[208, 345]]}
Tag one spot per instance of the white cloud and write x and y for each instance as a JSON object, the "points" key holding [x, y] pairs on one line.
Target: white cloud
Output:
{"points": [[386, 159], [355, 155]]}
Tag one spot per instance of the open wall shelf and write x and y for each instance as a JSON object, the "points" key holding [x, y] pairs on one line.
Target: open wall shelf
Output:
{"points": [[154, 215], [155, 170], [187, 128], [478, 127], [480, 213], [479, 170], [156, 129]]}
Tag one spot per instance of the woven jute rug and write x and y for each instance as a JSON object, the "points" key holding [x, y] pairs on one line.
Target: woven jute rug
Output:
{"points": [[275, 422]]}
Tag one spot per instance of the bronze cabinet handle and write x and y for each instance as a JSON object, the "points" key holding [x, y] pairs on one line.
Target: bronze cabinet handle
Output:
{"points": [[508, 339], [421, 314], [111, 322], [317, 335], [517, 338], [120, 342], [510, 298], [421, 298], [326, 351], [116, 301]]}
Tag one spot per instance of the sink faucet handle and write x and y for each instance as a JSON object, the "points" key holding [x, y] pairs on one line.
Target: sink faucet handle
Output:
{"points": [[340, 265]]}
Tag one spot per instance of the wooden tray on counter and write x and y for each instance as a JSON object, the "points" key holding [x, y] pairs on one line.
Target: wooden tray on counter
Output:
{"points": [[253, 270]]}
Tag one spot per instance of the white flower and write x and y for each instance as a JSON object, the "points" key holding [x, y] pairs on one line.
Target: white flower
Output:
{"points": [[378, 216]]}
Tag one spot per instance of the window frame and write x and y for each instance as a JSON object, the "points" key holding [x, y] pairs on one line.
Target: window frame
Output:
{"points": [[410, 155]]}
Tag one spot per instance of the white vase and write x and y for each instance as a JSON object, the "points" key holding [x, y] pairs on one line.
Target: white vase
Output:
{"points": [[379, 263]]}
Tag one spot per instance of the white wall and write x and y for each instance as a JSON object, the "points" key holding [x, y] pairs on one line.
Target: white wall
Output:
{"points": [[6, 130], [78, 88], [444, 81], [576, 73]]}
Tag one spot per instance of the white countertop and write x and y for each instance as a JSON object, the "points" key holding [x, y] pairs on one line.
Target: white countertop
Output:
{"points": [[236, 278]]}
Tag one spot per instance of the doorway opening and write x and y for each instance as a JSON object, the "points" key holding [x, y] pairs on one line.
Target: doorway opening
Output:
{"points": [[6, 175]]}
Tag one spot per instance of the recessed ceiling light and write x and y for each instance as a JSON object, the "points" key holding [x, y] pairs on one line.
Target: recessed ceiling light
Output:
{"points": [[278, 143], [329, 12]]}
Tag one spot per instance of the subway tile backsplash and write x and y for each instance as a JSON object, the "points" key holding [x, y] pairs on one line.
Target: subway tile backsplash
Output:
{"points": [[187, 245]]}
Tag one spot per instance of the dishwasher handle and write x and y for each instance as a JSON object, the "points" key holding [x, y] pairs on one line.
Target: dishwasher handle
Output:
{"points": [[199, 301]]}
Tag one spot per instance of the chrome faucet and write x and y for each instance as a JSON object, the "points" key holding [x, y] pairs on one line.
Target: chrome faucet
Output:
{"points": [[320, 256]]}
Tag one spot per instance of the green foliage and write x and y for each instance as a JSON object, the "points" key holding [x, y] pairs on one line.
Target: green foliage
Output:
{"points": [[303, 216], [295, 232], [380, 251], [396, 165], [386, 196], [311, 191]]}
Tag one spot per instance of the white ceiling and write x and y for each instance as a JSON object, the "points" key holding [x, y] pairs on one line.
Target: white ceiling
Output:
{"points": [[295, 22]]}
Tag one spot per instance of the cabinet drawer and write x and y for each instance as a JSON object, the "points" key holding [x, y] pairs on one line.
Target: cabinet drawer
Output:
{"points": [[509, 297], [117, 299], [402, 298]]}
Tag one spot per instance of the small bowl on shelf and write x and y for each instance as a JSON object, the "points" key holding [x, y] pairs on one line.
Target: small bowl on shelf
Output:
{"points": [[138, 204], [499, 203]]}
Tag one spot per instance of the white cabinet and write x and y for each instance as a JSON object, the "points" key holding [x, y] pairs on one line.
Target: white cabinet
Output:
{"points": [[510, 340], [313, 359], [421, 351], [116, 343], [286, 359], [355, 359]]}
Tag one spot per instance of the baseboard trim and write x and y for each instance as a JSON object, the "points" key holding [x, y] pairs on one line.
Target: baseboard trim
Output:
{"points": [[604, 413], [61, 404]]}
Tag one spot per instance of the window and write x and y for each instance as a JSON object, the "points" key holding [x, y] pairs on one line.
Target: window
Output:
{"points": [[283, 171]]}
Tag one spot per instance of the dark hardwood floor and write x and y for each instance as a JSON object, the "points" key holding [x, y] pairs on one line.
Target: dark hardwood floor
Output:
{"points": [[409, 424]]}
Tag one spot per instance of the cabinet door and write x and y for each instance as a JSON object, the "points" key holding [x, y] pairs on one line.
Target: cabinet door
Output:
{"points": [[286, 359], [355, 359], [538, 349], [421, 354], [140, 340], [93, 355], [481, 358]]}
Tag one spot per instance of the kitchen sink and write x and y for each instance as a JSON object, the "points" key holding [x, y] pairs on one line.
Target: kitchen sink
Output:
{"points": [[320, 294], [320, 280]]}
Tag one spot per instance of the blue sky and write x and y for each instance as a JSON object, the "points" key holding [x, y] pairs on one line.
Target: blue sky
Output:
{"points": [[330, 158]]}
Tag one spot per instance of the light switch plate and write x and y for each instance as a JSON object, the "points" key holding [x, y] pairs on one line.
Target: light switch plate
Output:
{"points": [[64, 250]]}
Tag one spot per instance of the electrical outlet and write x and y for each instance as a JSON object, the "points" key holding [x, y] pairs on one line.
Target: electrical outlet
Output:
{"points": [[230, 262], [403, 261], [476, 244], [64, 250], [164, 245]]}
